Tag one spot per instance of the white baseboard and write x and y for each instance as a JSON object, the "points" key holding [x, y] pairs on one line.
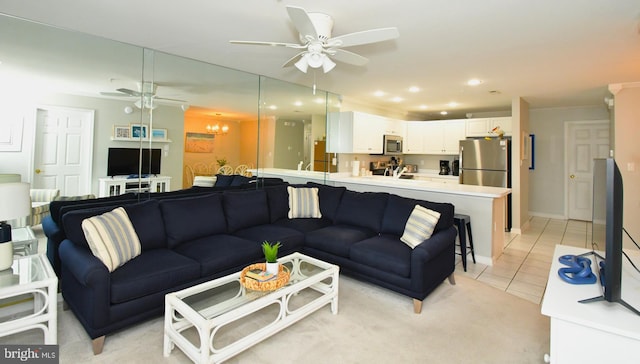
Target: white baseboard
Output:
{"points": [[548, 216]]}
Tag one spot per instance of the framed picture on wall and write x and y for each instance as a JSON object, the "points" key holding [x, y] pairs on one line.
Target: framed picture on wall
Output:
{"points": [[139, 131], [121, 132], [159, 134]]}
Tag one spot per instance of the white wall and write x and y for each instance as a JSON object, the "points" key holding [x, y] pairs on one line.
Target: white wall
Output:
{"points": [[546, 181], [627, 155]]}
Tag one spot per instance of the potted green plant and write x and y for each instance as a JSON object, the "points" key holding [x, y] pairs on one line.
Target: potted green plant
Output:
{"points": [[270, 251]]}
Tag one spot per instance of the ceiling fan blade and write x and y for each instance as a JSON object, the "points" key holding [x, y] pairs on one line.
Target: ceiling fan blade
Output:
{"points": [[347, 57], [129, 92], [301, 21], [364, 37], [293, 59], [274, 44], [168, 99], [115, 94]]}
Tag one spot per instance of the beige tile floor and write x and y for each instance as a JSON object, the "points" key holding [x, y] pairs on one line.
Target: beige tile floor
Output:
{"points": [[523, 267]]}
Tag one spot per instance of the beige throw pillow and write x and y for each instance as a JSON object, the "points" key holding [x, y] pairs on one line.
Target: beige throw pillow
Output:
{"points": [[420, 226], [112, 238]]}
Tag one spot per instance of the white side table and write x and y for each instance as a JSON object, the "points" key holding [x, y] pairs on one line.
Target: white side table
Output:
{"points": [[24, 241], [31, 275]]}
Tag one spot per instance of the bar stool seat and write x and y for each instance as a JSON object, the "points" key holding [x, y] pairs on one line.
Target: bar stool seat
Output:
{"points": [[463, 223]]}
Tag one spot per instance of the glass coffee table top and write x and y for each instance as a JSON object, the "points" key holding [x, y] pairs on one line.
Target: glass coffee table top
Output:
{"points": [[218, 298]]}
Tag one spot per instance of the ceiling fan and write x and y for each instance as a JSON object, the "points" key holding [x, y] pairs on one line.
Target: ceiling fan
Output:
{"points": [[146, 92], [319, 49]]}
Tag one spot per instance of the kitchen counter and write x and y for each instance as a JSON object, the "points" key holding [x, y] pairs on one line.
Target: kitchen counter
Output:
{"points": [[485, 205]]}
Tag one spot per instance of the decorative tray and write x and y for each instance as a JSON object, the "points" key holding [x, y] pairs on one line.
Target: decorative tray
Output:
{"points": [[281, 279]]}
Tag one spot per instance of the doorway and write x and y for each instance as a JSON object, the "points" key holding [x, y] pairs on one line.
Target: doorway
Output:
{"points": [[63, 150], [584, 140]]}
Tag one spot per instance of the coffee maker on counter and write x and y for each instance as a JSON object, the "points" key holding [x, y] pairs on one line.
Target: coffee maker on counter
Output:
{"points": [[444, 167]]}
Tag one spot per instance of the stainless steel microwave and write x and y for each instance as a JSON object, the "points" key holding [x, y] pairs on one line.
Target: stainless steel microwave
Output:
{"points": [[392, 145]]}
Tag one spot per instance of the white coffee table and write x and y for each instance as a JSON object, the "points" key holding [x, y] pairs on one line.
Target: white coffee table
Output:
{"points": [[213, 306], [31, 275]]}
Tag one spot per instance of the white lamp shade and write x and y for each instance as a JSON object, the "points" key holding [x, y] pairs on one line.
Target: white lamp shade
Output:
{"points": [[15, 200]]}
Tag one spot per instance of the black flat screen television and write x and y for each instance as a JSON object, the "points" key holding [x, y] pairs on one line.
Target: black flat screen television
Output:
{"points": [[126, 161], [607, 228]]}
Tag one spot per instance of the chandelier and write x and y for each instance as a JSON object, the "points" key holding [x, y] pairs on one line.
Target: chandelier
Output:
{"points": [[217, 129]]}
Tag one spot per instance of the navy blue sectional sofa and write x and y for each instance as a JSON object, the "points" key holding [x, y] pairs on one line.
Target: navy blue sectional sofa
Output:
{"points": [[193, 239]]}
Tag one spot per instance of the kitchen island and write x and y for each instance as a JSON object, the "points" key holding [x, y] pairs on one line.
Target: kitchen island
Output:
{"points": [[485, 205]]}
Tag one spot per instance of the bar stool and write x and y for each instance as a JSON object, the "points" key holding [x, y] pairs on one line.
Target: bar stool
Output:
{"points": [[463, 223]]}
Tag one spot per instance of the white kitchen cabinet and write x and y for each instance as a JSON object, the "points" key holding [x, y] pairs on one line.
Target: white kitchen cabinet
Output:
{"points": [[356, 132], [443, 136], [481, 127], [433, 137], [414, 137], [394, 127]]}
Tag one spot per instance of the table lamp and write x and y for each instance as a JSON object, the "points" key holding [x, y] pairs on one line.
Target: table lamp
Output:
{"points": [[15, 202]]}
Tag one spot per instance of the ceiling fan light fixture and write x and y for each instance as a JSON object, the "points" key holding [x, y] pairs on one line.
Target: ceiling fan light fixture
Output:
{"points": [[327, 64], [302, 64]]}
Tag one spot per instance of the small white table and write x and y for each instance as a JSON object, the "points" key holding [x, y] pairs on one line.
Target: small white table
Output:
{"points": [[24, 241], [597, 332], [211, 306], [31, 275]]}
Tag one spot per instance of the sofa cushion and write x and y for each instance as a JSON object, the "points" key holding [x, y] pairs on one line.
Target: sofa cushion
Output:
{"points": [[291, 239], [278, 199], [217, 253], [383, 252], [399, 208], [304, 225], [337, 239], [245, 208], [154, 271], [239, 180], [112, 238], [303, 203], [146, 218], [190, 218], [364, 209], [223, 180], [329, 197], [420, 226]]}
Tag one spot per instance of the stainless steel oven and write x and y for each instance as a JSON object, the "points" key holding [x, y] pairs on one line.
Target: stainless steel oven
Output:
{"points": [[392, 145]]}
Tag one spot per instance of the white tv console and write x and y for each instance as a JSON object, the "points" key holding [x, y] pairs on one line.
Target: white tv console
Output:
{"points": [[118, 185], [597, 332]]}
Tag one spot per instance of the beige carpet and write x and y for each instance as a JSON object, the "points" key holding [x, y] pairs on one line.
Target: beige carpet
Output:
{"points": [[467, 323]]}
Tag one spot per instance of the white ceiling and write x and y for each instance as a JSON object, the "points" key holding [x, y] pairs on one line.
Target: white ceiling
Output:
{"points": [[551, 53]]}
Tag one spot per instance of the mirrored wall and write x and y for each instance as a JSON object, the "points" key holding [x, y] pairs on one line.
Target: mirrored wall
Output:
{"points": [[81, 109]]}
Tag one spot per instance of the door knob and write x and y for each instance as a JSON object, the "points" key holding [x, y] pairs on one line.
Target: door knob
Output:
{"points": [[572, 176], [38, 171]]}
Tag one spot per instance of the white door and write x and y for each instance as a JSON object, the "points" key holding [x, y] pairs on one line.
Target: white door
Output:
{"points": [[585, 141], [63, 150]]}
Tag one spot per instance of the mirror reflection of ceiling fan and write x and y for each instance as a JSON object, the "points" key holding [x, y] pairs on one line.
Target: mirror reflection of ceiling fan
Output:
{"points": [[146, 95], [318, 48]]}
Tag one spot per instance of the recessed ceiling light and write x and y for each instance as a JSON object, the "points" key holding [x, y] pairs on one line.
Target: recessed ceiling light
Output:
{"points": [[273, 107], [424, 107], [443, 113], [452, 104], [474, 82], [396, 99], [319, 100], [298, 103], [414, 89], [379, 93]]}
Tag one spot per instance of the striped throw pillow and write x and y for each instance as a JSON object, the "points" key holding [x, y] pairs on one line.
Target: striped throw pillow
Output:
{"points": [[420, 226], [112, 238], [303, 202]]}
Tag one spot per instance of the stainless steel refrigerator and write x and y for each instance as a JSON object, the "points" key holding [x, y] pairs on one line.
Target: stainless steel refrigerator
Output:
{"points": [[486, 162]]}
